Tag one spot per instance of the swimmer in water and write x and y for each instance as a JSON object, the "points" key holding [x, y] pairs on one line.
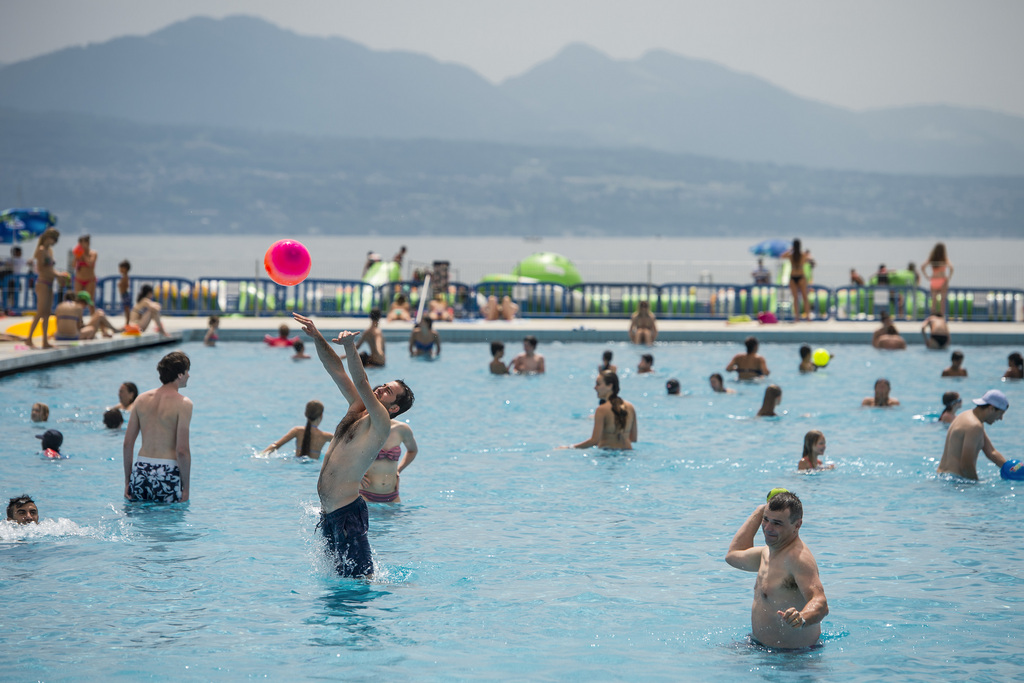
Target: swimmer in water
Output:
{"points": [[529, 361], [40, 412], [646, 364], [772, 399], [951, 401], [614, 420], [718, 386], [955, 368], [310, 439], [212, 325], [806, 361], [881, 399], [814, 448], [606, 363], [498, 366], [22, 510], [789, 600], [380, 483], [966, 437], [1016, 367], [749, 365]]}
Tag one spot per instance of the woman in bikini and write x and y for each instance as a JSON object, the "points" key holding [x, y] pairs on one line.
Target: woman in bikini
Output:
{"points": [[941, 270], [309, 440], [424, 341], [614, 419], [380, 483], [85, 267], [146, 311], [798, 284], [48, 275]]}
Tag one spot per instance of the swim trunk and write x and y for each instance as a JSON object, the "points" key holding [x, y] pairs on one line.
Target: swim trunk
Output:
{"points": [[155, 479], [345, 530], [940, 340], [126, 301]]}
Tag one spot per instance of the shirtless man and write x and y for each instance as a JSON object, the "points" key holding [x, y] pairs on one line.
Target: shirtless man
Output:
{"points": [[614, 419], [164, 464], [374, 340], [642, 328], [966, 436], [789, 600], [935, 331], [22, 510], [955, 369], [357, 441], [881, 399], [85, 267], [380, 483], [529, 361], [749, 365], [646, 364]]}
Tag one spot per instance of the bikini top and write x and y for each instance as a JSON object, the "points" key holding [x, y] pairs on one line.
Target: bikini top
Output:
{"points": [[390, 453]]}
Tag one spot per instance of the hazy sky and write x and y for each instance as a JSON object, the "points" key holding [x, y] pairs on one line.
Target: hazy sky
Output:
{"points": [[857, 54]]}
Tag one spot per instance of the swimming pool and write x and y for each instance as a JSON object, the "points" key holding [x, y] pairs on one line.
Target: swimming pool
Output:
{"points": [[510, 559]]}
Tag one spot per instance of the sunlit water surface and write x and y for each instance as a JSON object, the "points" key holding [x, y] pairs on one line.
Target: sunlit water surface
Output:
{"points": [[510, 559]]}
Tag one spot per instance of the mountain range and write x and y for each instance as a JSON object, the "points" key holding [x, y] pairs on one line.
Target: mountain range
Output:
{"points": [[244, 73]]}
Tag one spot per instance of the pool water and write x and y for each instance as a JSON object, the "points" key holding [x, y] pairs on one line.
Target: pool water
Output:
{"points": [[510, 559]]}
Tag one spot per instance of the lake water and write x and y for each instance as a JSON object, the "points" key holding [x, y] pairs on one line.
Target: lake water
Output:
{"points": [[977, 262], [509, 559]]}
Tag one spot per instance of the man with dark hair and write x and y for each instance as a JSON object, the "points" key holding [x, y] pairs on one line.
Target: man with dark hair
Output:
{"points": [[357, 441], [113, 419], [646, 364], [374, 340], [749, 365], [22, 510], [955, 368], [529, 361], [881, 399], [789, 600], [162, 416], [966, 436]]}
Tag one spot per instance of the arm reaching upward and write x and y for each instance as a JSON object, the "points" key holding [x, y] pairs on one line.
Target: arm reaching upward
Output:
{"points": [[331, 362]]}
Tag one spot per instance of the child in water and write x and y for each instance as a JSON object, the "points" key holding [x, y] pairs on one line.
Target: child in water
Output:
{"points": [[211, 331], [814, 448]]}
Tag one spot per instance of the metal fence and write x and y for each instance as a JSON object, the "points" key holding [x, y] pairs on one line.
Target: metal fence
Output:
{"points": [[673, 301]]}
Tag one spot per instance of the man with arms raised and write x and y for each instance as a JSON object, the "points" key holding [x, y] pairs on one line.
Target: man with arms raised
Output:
{"points": [[966, 436], [357, 440], [162, 469], [789, 600]]}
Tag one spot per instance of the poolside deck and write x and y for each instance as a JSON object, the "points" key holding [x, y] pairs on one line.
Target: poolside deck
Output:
{"points": [[16, 358]]}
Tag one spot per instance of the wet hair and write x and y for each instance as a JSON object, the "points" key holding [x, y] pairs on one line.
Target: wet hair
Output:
{"points": [[621, 414], [375, 314], [282, 331], [405, 401], [125, 264], [15, 251], [672, 386], [786, 500], [751, 344], [795, 255], [427, 321], [15, 503], [113, 419], [144, 291], [314, 410], [45, 410], [70, 296], [891, 329], [172, 365], [938, 254], [810, 439], [1017, 360], [648, 357], [134, 390], [771, 393], [531, 340], [718, 376], [497, 346], [50, 233], [949, 398], [805, 351], [957, 356], [883, 379], [214, 320], [298, 346]]}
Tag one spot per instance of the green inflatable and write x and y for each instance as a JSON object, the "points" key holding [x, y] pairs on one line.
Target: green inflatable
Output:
{"points": [[547, 266]]}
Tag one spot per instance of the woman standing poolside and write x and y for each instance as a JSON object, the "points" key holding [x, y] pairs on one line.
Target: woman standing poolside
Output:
{"points": [[48, 276], [798, 279], [380, 483], [614, 419], [309, 440], [772, 399], [814, 448], [938, 279]]}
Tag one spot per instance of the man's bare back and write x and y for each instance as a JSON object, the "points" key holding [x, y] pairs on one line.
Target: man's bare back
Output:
{"points": [[966, 438]]}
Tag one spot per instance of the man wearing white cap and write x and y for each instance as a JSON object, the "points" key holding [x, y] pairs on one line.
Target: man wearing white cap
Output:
{"points": [[966, 436]]}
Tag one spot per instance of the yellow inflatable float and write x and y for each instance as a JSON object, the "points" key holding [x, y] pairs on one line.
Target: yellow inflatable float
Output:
{"points": [[21, 329]]}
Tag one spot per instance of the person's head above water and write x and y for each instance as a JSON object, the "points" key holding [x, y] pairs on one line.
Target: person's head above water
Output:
{"points": [[497, 348], [950, 399], [22, 510], [127, 393], [751, 344], [672, 386], [530, 342], [716, 381], [51, 439], [40, 412], [172, 366], [113, 419], [282, 331]]}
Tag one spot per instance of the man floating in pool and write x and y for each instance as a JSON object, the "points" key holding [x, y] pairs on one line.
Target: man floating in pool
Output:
{"points": [[966, 436], [789, 600], [357, 441], [162, 470]]}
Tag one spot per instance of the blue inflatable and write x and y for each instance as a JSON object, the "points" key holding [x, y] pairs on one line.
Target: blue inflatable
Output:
{"points": [[1012, 469]]}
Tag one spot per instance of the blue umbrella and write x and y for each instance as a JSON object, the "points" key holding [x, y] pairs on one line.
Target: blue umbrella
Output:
{"points": [[20, 224], [774, 248]]}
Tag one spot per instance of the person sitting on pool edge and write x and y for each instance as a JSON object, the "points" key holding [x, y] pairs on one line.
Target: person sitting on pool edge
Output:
{"points": [[955, 368], [749, 365], [162, 471], [966, 437], [380, 483], [642, 326], [358, 439], [789, 600], [772, 399], [529, 361], [498, 366], [614, 419], [951, 401], [881, 399], [718, 384], [145, 311], [22, 510]]}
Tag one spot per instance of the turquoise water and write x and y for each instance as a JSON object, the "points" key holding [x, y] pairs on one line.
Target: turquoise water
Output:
{"points": [[509, 559]]}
